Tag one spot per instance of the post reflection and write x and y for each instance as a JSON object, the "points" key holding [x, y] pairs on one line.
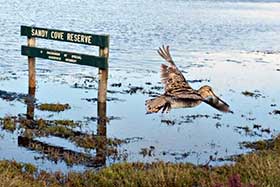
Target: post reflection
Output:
{"points": [[55, 153], [30, 101], [101, 132]]}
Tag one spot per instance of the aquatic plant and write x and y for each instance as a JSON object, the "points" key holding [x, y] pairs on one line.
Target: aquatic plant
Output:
{"points": [[53, 107], [260, 168], [8, 123]]}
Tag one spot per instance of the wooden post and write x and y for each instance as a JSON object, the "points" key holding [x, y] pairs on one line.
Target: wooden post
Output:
{"points": [[103, 77], [31, 42], [101, 109], [102, 86]]}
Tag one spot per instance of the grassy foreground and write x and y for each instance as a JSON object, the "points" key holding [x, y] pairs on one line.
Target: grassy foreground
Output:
{"points": [[260, 168]]}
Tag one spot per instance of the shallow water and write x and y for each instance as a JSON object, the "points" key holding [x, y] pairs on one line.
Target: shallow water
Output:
{"points": [[231, 45]]}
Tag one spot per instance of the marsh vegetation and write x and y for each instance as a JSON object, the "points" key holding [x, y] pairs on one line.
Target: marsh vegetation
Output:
{"points": [[58, 137]]}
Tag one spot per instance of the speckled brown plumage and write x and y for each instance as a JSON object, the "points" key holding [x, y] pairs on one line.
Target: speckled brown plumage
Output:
{"points": [[178, 93]]}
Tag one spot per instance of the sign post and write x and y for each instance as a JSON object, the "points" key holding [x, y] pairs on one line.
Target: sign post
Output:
{"points": [[100, 61], [103, 76], [31, 42]]}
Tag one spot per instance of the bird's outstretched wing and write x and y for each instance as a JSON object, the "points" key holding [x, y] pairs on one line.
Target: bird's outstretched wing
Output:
{"points": [[172, 78]]}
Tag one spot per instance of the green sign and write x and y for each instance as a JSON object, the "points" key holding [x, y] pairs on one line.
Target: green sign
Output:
{"points": [[101, 61], [67, 36], [64, 56]]}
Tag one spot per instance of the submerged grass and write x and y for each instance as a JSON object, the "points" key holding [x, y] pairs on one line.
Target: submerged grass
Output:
{"points": [[8, 123], [260, 168], [67, 123], [53, 107], [29, 129]]}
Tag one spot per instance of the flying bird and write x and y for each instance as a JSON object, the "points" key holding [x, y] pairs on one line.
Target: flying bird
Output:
{"points": [[178, 93]]}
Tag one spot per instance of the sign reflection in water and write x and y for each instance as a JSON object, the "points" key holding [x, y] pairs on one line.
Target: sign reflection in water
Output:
{"points": [[56, 153]]}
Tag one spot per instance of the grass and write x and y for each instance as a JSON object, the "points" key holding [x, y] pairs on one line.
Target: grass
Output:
{"points": [[8, 123], [67, 123], [30, 129], [53, 107], [260, 168]]}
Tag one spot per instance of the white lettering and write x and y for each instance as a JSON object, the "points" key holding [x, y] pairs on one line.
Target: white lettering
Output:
{"points": [[79, 38], [76, 57], [53, 53], [32, 32], [89, 39], [57, 35], [39, 32], [54, 58], [70, 60], [69, 36]]}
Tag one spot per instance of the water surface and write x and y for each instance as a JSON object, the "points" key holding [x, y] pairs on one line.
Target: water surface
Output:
{"points": [[231, 45]]}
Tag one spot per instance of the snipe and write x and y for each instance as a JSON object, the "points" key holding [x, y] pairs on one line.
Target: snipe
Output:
{"points": [[178, 93]]}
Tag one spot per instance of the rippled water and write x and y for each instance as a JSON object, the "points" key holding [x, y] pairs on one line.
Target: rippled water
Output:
{"points": [[231, 45]]}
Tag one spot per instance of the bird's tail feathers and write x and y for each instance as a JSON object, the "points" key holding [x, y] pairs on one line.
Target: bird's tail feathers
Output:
{"points": [[156, 104]]}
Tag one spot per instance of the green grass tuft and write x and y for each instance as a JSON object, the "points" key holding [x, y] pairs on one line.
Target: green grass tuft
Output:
{"points": [[8, 123], [53, 107]]}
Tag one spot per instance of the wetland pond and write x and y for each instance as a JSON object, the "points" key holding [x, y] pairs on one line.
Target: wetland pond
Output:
{"points": [[233, 46]]}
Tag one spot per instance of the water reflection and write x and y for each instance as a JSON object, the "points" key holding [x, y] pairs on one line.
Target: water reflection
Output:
{"points": [[30, 101], [101, 132], [222, 42], [33, 130]]}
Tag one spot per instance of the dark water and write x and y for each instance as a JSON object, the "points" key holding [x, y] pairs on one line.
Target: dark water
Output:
{"points": [[231, 45]]}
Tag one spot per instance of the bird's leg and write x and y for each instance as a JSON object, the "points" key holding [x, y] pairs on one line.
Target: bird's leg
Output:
{"points": [[166, 107]]}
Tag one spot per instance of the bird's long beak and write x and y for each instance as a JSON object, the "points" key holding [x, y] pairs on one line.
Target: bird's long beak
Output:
{"points": [[217, 103]]}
